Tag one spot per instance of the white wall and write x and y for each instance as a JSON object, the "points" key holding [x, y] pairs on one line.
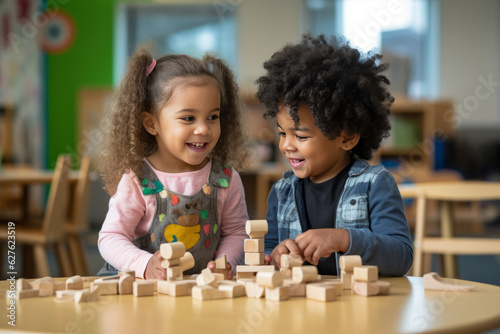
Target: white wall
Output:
{"points": [[470, 56]]}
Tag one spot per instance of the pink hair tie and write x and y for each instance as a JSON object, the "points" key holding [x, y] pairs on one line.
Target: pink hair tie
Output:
{"points": [[151, 67]]}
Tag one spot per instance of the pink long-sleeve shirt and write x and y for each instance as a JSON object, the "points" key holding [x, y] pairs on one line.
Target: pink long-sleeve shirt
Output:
{"points": [[131, 213]]}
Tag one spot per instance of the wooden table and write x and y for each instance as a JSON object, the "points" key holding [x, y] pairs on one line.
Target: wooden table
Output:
{"points": [[447, 193], [408, 309]]}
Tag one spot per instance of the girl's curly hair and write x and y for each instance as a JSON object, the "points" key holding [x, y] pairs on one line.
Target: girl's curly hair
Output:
{"points": [[343, 88], [126, 142]]}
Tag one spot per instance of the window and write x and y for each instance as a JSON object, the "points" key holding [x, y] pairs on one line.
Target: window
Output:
{"points": [[404, 31], [177, 29]]}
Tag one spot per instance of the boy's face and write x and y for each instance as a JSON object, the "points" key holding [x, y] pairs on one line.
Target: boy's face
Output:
{"points": [[308, 151]]}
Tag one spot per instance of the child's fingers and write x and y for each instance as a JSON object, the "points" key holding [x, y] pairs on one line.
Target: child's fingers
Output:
{"points": [[267, 259], [230, 275], [293, 248], [211, 265], [228, 266]]}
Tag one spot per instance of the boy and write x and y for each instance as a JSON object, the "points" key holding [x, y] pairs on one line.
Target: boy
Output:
{"points": [[332, 106]]}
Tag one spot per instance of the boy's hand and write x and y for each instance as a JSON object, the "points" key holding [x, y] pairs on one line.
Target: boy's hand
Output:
{"points": [[154, 269], [322, 242], [230, 274], [287, 246]]}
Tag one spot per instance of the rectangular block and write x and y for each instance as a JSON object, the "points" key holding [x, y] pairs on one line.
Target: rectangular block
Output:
{"points": [[365, 288], [245, 275], [206, 293], [105, 287], [231, 289], [383, 287], [143, 288], [346, 279], [224, 272], [253, 259], [176, 288], [174, 273], [278, 294], [365, 273], [295, 289], [254, 246], [321, 292], [254, 269], [335, 282]]}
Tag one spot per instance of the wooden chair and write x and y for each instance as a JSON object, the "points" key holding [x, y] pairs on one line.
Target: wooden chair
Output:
{"points": [[447, 195], [77, 224], [51, 232]]}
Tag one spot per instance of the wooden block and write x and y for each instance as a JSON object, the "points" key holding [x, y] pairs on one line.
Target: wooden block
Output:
{"points": [[22, 284], [85, 295], [105, 287], [64, 295], [432, 281], [286, 272], [321, 292], [170, 263], [346, 279], [206, 293], [45, 286], [186, 261], [365, 288], [108, 278], [256, 229], [348, 262], [58, 286], [278, 294], [173, 250], [253, 259], [221, 263], [245, 275], [131, 273], [245, 280], [365, 273], [383, 287], [254, 269], [74, 283], [143, 288], [254, 246], [253, 290], [295, 289], [269, 279], [176, 288], [231, 290], [125, 285], [206, 278], [304, 274], [174, 273], [224, 272], [33, 293], [289, 261], [335, 282], [218, 277]]}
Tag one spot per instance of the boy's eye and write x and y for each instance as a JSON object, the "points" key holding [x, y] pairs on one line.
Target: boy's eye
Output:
{"points": [[301, 138], [281, 134]]}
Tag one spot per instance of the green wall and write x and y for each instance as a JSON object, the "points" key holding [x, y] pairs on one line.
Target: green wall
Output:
{"points": [[89, 62]]}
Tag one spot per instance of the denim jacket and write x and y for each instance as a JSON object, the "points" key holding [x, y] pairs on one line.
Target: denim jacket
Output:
{"points": [[370, 208]]}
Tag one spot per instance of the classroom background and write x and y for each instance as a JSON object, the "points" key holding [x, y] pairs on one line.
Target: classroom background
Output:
{"points": [[61, 59]]}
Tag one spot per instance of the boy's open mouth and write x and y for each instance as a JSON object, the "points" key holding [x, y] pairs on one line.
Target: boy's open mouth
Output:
{"points": [[296, 162]]}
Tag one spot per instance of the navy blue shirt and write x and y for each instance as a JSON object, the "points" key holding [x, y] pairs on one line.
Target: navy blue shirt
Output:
{"points": [[316, 197]]}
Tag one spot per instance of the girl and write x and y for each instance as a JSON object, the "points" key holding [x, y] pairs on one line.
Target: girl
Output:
{"points": [[173, 129]]}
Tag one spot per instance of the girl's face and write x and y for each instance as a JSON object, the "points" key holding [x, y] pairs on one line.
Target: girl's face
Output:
{"points": [[187, 128], [308, 151]]}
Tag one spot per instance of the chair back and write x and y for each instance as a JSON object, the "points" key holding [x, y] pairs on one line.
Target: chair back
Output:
{"points": [[57, 204], [78, 219]]}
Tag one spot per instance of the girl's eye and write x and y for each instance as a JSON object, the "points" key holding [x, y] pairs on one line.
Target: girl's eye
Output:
{"points": [[188, 118], [213, 117]]}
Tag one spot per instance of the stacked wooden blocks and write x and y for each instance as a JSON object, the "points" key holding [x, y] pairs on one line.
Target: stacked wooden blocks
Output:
{"points": [[362, 279], [209, 286], [175, 260], [254, 250]]}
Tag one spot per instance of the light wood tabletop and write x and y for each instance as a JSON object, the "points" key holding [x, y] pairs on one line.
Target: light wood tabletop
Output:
{"points": [[407, 309]]}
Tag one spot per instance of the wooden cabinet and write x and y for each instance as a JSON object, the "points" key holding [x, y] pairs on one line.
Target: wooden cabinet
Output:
{"points": [[416, 128]]}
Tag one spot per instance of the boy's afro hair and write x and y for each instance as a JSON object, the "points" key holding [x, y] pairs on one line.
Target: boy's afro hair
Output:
{"points": [[343, 88]]}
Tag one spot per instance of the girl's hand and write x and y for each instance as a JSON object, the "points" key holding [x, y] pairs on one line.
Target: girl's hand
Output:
{"points": [[154, 269], [287, 246], [322, 242], [230, 274]]}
